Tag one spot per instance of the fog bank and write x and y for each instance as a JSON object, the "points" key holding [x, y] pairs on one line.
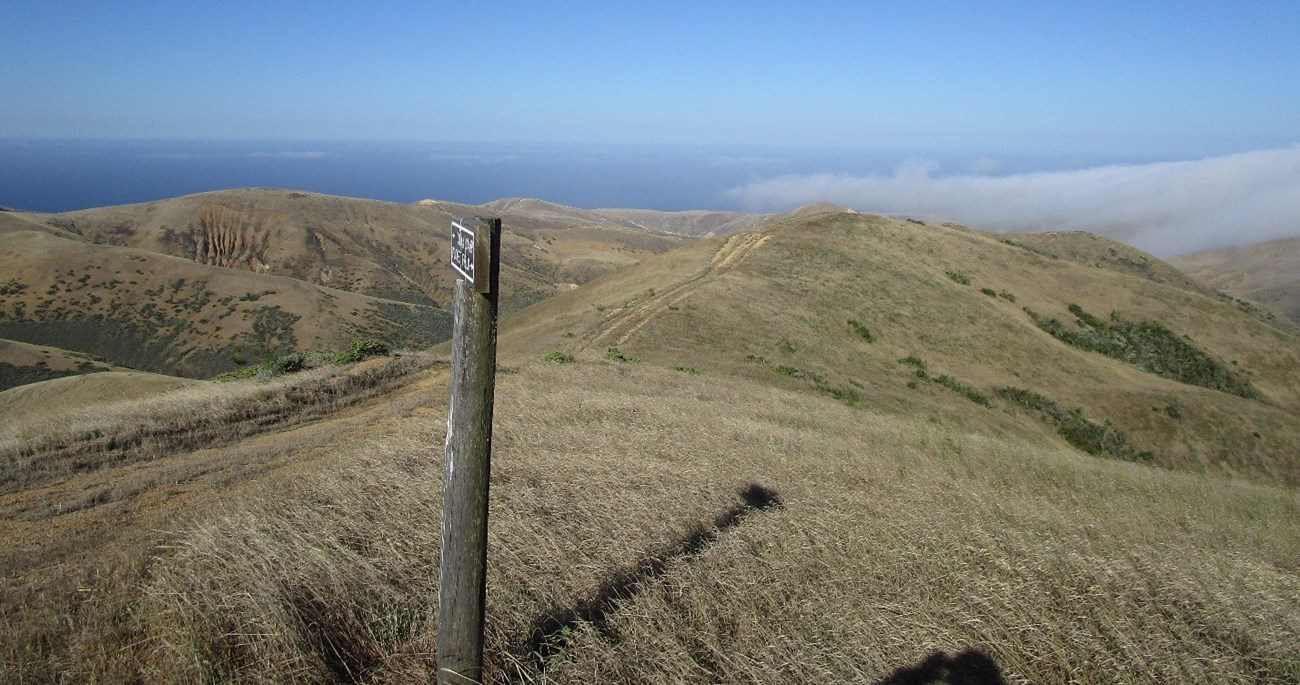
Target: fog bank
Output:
{"points": [[1167, 208]]}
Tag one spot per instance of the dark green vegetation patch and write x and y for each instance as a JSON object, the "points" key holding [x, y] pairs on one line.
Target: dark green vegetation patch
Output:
{"points": [[1093, 438], [923, 373], [1148, 346]]}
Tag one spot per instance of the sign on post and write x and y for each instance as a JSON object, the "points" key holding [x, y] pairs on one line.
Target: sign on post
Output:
{"points": [[462, 571], [467, 249]]}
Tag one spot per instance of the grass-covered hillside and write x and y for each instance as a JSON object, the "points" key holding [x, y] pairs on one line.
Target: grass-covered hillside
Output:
{"points": [[204, 284], [840, 448], [912, 319], [1265, 274]]}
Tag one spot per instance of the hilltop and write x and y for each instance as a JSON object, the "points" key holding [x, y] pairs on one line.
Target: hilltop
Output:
{"points": [[835, 447], [204, 284]]}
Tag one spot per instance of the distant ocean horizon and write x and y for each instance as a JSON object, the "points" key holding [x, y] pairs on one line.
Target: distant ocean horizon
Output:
{"points": [[67, 175]]}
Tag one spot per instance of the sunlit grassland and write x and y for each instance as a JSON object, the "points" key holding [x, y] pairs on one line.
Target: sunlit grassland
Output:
{"points": [[901, 524], [897, 536]]}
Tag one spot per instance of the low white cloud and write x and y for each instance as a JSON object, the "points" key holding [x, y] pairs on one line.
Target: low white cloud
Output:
{"points": [[1167, 208]]}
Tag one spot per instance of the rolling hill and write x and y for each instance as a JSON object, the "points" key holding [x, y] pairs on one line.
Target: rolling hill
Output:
{"points": [[834, 448], [1264, 273], [199, 285], [836, 300]]}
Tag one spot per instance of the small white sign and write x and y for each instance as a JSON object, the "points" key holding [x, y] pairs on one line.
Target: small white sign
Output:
{"points": [[462, 251]]}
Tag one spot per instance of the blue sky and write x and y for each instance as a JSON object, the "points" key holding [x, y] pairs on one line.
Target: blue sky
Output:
{"points": [[1167, 80], [1171, 125]]}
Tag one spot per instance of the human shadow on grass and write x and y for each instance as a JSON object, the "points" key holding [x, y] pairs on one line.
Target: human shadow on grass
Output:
{"points": [[971, 667], [550, 633]]}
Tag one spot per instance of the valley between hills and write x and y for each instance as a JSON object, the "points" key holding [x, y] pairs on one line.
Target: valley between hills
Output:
{"points": [[820, 446]]}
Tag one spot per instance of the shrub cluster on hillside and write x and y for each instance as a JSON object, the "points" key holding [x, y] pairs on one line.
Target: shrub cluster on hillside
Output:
{"points": [[848, 396], [293, 362], [923, 373], [1148, 346], [1093, 438]]}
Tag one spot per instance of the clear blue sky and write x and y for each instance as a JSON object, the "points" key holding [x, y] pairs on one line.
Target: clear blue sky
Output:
{"points": [[1167, 78]]}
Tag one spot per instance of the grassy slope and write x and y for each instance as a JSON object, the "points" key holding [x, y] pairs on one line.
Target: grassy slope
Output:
{"points": [[170, 315], [22, 363], [23, 404], [916, 530], [101, 281], [1267, 273], [897, 537], [701, 223], [375, 248], [789, 301]]}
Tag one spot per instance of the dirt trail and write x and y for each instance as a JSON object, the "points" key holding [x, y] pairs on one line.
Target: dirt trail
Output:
{"points": [[626, 323], [88, 512]]}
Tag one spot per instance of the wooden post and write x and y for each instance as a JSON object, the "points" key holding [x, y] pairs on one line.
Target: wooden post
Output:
{"points": [[462, 572]]}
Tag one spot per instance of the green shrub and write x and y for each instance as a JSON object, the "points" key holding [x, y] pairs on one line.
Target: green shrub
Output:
{"points": [[1148, 346], [989, 291], [862, 331], [1093, 438], [923, 373], [558, 357], [688, 370], [362, 349], [964, 390], [613, 354], [958, 277], [913, 360], [289, 363]]}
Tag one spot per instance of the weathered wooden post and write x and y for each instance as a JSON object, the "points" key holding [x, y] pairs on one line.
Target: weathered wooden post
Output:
{"points": [[462, 572]]}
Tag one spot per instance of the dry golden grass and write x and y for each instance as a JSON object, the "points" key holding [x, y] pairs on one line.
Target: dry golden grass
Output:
{"points": [[1266, 273], [187, 285], [73, 551], [34, 402], [789, 303], [908, 531], [896, 537], [60, 444]]}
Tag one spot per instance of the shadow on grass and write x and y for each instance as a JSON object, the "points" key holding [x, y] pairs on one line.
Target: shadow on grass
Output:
{"points": [[971, 667], [551, 632]]}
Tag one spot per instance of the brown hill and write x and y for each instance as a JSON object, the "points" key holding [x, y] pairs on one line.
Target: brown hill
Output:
{"points": [[798, 299], [1267, 273], [152, 312], [381, 249], [32, 403], [698, 223], [199, 284], [22, 363], [841, 448]]}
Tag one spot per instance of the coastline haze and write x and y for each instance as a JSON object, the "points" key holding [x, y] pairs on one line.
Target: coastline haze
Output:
{"points": [[1166, 206]]}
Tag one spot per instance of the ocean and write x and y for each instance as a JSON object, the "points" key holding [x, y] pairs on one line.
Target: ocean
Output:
{"points": [[64, 175]]}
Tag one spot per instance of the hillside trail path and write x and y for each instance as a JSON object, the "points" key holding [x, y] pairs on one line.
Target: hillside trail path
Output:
{"points": [[81, 516], [627, 322]]}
